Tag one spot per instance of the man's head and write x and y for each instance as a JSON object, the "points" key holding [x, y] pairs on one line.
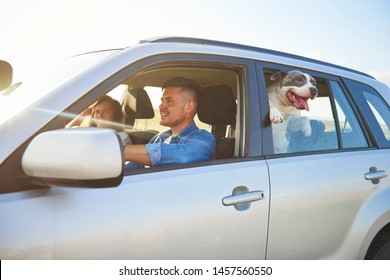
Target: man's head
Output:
{"points": [[179, 102]]}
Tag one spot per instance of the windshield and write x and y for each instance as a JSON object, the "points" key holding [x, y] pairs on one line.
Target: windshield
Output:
{"points": [[21, 94]]}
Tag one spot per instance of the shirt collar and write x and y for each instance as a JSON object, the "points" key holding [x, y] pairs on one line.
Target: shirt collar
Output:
{"points": [[187, 130]]}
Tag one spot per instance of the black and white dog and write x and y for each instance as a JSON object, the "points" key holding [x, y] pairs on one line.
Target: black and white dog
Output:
{"points": [[288, 95]]}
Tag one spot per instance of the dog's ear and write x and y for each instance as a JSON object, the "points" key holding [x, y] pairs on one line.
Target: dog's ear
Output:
{"points": [[278, 76]]}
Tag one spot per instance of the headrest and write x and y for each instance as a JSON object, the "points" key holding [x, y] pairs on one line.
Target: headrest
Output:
{"points": [[137, 105], [218, 106], [5, 74]]}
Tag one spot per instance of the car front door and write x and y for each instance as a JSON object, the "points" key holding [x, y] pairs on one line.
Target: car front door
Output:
{"points": [[176, 214], [214, 210], [210, 210]]}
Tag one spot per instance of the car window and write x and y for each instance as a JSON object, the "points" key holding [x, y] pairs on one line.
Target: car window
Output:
{"points": [[140, 97], [380, 111], [375, 110], [351, 134], [324, 121]]}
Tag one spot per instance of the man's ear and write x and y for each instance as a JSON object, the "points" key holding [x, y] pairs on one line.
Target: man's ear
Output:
{"points": [[190, 106]]}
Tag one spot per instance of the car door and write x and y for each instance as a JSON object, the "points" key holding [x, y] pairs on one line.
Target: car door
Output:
{"points": [[319, 187], [209, 210], [176, 214]]}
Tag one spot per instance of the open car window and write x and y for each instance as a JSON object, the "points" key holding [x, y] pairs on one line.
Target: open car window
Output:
{"points": [[140, 96], [325, 122]]}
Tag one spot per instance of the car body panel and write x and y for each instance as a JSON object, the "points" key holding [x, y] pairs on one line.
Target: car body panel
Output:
{"points": [[317, 201], [28, 224]]}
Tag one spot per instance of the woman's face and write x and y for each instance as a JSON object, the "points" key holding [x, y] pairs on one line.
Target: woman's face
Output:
{"points": [[104, 114]]}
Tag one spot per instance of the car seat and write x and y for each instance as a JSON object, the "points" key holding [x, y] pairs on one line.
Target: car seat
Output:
{"points": [[300, 143], [218, 108], [136, 105]]}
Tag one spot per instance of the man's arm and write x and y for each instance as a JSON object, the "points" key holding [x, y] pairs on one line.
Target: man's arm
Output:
{"points": [[199, 147], [137, 154]]}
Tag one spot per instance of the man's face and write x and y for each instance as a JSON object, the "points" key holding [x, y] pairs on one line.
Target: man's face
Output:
{"points": [[172, 107], [103, 114]]}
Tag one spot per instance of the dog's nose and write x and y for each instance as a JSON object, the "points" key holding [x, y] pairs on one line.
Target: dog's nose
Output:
{"points": [[313, 92]]}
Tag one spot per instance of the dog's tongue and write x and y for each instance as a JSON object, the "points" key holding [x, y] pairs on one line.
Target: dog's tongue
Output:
{"points": [[299, 102]]}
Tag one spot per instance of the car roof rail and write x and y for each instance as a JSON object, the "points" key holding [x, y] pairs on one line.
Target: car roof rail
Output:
{"points": [[200, 41]]}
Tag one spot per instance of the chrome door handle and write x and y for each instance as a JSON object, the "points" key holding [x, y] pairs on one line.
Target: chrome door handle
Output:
{"points": [[375, 175], [243, 198]]}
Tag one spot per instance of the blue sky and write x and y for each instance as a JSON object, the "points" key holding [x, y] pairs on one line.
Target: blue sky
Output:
{"points": [[352, 33]]}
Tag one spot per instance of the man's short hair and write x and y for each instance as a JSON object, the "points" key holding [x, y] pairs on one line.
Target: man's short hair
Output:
{"points": [[185, 84]]}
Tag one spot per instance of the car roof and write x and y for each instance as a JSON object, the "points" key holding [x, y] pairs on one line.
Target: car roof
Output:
{"points": [[200, 41]]}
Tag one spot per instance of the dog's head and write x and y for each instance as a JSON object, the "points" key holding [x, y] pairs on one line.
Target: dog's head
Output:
{"points": [[298, 87]]}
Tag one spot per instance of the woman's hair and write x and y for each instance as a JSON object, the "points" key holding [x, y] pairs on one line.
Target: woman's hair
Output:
{"points": [[117, 122]]}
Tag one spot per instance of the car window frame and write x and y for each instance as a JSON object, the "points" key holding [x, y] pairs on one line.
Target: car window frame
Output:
{"points": [[266, 124], [248, 147]]}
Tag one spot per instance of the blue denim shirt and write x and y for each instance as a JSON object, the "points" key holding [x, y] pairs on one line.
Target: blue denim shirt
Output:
{"points": [[191, 145]]}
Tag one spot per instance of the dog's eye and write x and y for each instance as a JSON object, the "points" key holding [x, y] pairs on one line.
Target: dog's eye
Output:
{"points": [[313, 82], [300, 79]]}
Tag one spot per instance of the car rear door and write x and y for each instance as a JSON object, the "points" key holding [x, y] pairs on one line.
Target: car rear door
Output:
{"points": [[319, 187]]}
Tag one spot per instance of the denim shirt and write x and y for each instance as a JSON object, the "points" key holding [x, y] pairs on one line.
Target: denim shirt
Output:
{"points": [[191, 145]]}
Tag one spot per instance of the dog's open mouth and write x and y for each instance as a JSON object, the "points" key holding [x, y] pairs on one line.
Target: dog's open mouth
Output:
{"points": [[299, 102]]}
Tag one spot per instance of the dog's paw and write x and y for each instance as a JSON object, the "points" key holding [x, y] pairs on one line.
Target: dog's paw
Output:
{"points": [[306, 129], [275, 116]]}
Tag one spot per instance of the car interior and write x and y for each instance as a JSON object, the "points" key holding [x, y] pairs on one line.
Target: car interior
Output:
{"points": [[140, 97]]}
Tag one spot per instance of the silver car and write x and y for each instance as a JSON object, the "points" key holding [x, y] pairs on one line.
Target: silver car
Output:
{"points": [[65, 193]]}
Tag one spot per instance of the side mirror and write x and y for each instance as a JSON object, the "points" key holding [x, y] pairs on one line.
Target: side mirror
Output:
{"points": [[6, 72], [79, 157]]}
